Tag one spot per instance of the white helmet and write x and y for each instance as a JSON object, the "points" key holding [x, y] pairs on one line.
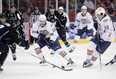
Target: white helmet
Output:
{"points": [[100, 11], [42, 18], [83, 7], [60, 7]]}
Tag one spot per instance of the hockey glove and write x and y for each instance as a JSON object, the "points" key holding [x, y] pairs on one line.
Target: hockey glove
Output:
{"points": [[51, 43], [41, 37]]}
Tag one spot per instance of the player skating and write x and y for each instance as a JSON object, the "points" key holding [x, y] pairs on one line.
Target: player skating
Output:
{"points": [[46, 37], [59, 19], [8, 37], [14, 18], [102, 39]]}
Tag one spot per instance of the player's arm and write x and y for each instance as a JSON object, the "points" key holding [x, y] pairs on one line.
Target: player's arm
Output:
{"points": [[77, 21], [90, 24], [34, 31], [53, 37], [19, 16], [108, 29]]}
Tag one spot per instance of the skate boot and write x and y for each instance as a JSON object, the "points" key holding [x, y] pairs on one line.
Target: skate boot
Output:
{"points": [[28, 46], [71, 48], [43, 62], [113, 60], [14, 56], [52, 52], [70, 62], [1, 68], [87, 63]]}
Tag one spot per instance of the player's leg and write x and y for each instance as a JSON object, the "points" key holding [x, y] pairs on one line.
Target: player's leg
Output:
{"points": [[38, 46], [13, 50], [100, 49], [62, 34], [3, 53], [79, 34], [90, 52], [20, 41], [57, 48]]}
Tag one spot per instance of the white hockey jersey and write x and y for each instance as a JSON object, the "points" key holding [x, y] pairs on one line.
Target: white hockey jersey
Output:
{"points": [[83, 21], [106, 29], [48, 30]]}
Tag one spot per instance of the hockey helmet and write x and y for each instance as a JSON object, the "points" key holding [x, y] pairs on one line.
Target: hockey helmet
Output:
{"points": [[100, 11], [84, 7], [42, 17]]}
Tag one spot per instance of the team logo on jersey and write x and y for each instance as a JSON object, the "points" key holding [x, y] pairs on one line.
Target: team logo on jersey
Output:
{"points": [[83, 21], [105, 20], [44, 32]]}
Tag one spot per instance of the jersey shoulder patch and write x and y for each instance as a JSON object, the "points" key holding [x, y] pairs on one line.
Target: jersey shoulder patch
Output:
{"points": [[105, 20]]}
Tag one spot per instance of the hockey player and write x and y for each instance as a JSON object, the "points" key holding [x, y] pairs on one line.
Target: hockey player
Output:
{"points": [[16, 21], [14, 18], [44, 33], [60, 20], [61, 9], [83, 24], [8, 37], [102, 39]]}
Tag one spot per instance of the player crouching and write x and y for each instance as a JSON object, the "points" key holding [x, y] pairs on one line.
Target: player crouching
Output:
{"points": [[103, 38], [44, 33]]}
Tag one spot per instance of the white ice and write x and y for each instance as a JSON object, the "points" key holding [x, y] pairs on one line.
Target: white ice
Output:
{"points": [[27, 67]]}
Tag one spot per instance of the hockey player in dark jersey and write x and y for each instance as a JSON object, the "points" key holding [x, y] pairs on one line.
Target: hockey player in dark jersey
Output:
{"points": [[14, 18], [59, 19], [8, 37]]}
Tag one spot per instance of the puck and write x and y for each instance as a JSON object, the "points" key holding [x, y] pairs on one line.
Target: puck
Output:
{"points": [[62, 67]]}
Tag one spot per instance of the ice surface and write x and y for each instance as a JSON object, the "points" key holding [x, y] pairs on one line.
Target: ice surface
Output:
{"points": [[27, 67]]}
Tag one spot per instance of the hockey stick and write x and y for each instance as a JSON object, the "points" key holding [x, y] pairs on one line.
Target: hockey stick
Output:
{"points": [[99, 53], [100, 61], [62, 67]]}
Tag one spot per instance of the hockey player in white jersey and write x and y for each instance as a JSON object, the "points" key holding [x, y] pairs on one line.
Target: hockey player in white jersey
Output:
{"points": [[83, 24], [102, 39], [46, 37]]}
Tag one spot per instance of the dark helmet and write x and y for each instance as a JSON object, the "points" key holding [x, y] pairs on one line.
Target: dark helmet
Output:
{"points": [[13, 5], [2, 15]]}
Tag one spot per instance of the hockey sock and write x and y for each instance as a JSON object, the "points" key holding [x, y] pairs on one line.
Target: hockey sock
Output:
{"points": [[93, 59], [89, 54], [67, 57], [64, 55]]}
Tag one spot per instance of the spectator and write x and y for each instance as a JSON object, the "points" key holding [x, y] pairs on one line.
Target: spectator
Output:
{"points": [[26, 15], [62, 3], [80, 4], [89, 4], [72, 5], [24, 4]]}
